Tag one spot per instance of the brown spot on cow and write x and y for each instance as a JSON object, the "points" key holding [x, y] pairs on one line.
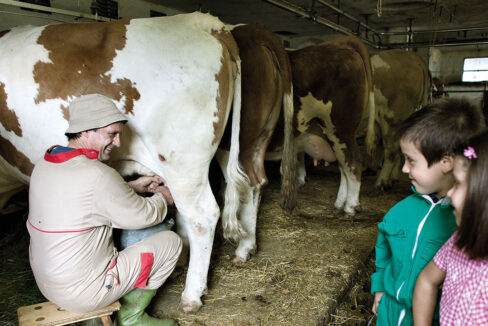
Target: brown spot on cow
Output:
{"points": [[230, 54], [14, 157], [81, 55], [8, 118], [65, 111]]}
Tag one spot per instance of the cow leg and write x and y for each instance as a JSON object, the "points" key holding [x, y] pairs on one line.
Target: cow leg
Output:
{"points": [[348, 194], [182, 230], [391, 156], [6, 195], [301, 171], [248, 213], [342, 193], [196, 224], [11, 182], [384, 178], [353, 188], [248, 218], [397, 168]]}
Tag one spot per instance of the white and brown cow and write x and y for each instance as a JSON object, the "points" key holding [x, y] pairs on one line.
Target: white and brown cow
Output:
{"points": [[332, 88], [402, 85], [266, 89], [175, 78]]}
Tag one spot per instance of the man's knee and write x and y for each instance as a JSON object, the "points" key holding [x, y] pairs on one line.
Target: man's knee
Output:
{"points": [[175, 241], [170, 241]]}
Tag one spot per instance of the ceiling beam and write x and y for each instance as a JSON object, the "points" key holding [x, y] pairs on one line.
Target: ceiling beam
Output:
{"points": [[54, 10], [319, 19]]}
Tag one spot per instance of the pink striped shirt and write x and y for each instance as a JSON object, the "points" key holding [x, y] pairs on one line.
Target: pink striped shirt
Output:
{"points": [[464, 298]]}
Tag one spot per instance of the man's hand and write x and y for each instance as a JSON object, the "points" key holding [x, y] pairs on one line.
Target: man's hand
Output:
{"points": [[377, 298], [165, 192], [151, 184], [145, 184]]}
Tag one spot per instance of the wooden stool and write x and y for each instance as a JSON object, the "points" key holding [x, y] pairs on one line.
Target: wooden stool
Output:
{"points": [[49, 314]]}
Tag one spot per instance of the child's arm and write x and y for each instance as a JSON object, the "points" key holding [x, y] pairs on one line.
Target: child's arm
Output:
{"points": [[383, 259], [425, 294]]}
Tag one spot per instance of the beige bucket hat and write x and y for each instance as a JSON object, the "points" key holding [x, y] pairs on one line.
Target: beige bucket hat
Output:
{"points": [[92, 111]]}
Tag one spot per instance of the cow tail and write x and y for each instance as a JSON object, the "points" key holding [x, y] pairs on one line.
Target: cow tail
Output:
{"points": [[428, 85], [237, 181], [289, 182], [370, 132], [371, 107], [362, 50]]}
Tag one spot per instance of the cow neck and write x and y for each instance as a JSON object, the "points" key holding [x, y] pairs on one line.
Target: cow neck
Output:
{"points": [[65, 156]]}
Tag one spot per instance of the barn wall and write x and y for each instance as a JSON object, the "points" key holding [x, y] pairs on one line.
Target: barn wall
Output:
{"points": [[293, 42], [11, 16], [447, 63]]}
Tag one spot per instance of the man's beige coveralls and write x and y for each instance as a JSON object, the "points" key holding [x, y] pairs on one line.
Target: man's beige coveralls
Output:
{"points": [[75, 201]]}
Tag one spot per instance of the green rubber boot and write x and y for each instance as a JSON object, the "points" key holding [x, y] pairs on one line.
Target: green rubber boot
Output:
{"points": [[132, 306]]}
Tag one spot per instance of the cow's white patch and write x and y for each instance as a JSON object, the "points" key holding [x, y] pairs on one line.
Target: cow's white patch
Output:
{"points": [[176, 77], [348, 194], [20, 52], [312, 108], [377, 62]]}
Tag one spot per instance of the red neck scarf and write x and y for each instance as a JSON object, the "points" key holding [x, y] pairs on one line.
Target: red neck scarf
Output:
{"points": [[63, 157]]}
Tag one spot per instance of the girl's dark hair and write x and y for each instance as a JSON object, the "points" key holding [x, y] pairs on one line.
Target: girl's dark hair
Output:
{"points": [[472, 236]]}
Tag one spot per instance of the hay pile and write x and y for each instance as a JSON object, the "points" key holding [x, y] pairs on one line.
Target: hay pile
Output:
{"points": [[305, 266]]}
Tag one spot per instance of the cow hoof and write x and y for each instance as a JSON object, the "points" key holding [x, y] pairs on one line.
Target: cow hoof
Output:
{"points": [[349, 215], [239, 260], [192, 306], [338, 211], [386, 187]]}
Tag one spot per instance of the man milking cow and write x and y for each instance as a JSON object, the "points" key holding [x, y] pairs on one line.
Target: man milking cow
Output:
{"points": [[75, 200]]}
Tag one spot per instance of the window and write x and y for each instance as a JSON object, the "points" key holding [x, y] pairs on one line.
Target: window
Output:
{"points": [[46, 3], [154, 13], [475, 70], [105, 8]]}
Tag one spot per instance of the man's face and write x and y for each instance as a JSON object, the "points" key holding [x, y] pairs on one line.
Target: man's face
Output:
{"points": [[105, 139], [426, 179]]}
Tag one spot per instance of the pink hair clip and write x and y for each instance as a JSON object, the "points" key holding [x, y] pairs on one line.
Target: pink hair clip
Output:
{"points": [[470, 153]]}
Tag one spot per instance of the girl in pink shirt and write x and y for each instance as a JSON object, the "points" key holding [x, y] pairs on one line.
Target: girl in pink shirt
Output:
{"points": [[462, 263]]}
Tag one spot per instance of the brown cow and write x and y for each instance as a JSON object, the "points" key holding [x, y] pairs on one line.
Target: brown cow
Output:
{"points": [[402, 85], [332, 86], [266, 89]]}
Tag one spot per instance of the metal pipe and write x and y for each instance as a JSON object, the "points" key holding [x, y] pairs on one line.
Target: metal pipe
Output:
{"points": [[436, 31], [345, 14], [31, 15], [54, 10], [463, 90], [428, 44], [321, 20]]}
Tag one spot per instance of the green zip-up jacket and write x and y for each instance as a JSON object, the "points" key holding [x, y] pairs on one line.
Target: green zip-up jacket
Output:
{"points": [[409, 237]]}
